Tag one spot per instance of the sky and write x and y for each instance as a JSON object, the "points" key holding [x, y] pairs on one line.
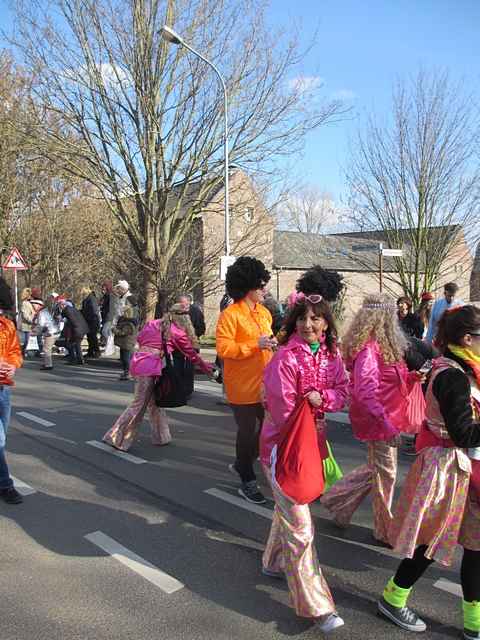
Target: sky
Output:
{"points": [[362, 47]]}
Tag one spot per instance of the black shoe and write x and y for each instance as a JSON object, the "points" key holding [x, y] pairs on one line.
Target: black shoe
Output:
{"points": [[251, 492], [11, 496], [42, 368], [402, 616], [470, 635]]}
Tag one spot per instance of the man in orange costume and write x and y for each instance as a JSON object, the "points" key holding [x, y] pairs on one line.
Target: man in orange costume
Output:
{"points": [[245, 343], [10, 361]]}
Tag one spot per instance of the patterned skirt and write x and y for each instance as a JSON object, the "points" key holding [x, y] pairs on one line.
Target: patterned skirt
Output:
{"points": [[432, 504], [469, 536]]}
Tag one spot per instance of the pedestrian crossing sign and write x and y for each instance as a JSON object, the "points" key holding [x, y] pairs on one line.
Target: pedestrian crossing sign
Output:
{"points": [[15, 261]]}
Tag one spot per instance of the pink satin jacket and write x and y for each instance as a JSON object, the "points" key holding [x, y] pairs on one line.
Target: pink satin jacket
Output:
{"points": [[378, 394], [292, 373], [150, 336]]}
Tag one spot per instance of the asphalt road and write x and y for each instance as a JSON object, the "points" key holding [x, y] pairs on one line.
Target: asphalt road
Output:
{"points": [[159, 545]]}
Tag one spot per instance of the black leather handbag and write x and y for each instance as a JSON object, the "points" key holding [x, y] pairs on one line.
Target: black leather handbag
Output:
{"points": [[169, 390]]}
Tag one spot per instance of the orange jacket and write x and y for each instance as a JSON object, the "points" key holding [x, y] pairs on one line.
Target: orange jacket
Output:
{"points": [[238, 331], [10, 350]]}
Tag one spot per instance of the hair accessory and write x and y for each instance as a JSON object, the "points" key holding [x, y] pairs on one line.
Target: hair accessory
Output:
{"points": [[379, 305]]}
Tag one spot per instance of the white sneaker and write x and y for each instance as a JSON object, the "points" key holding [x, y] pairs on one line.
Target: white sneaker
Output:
{"points": [[329, 623]]}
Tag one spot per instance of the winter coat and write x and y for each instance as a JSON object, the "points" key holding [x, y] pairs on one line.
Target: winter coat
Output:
{"points": [[378, 394], [105, 306], [293, 372], [125, 333], [117, 305], [91, 313], [27, 313], [412, 325], [198, 320], [45, 324], [76, 326]]}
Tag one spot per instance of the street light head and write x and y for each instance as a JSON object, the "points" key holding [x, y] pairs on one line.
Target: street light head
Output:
{"points": [[169, 34]]}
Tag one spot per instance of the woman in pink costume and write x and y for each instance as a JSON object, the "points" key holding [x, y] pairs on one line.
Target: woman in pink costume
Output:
{"points": [[440, 503], [151, 340], [379, 387], [307, 364]]}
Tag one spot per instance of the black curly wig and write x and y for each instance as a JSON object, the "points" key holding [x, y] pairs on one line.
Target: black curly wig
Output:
{"points": [[245, 274], [324, 282]]}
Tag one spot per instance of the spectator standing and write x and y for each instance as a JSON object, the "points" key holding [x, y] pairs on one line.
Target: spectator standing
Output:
{"points": [[125, 332], [36, 301], [26, 318], [410, 322], [425, 310], [105, 300], [275, 311], [91, 312], [10, 361], [447, 302], [74, 330], [245, 346], [48, 328], [195, 313]]}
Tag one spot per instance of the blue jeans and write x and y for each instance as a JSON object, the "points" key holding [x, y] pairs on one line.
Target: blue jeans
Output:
{"points": [[5, 410]]}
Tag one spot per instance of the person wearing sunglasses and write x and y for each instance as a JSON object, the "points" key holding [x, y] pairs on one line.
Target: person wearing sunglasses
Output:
{"points": [[307, 365], [245, 343], [380, 383], [440, 502]]}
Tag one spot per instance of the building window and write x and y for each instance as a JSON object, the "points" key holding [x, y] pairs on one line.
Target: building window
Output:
{"points": [[248, 214]]}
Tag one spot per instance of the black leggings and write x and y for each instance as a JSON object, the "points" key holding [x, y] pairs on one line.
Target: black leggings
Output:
{"points": [[411, 569]]}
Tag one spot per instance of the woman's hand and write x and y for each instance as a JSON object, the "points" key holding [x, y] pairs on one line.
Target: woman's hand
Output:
{"points": [[265, 342], [315, 399]]}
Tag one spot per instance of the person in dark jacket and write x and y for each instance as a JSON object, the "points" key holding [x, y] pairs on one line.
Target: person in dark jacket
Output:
{"points": [[91, 313], [277, 317], [410, 322], [125, 332], [74, 330], [195, 313], [105, 302]]}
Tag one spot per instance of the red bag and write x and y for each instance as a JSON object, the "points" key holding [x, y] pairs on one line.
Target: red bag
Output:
{"points": [[297, 463], [415, 410]]}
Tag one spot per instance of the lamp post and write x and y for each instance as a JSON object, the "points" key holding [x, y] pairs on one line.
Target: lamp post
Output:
{"points": [[171, 36]]}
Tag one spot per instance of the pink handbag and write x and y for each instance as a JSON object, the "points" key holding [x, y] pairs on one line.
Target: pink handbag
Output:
{"points": [[148, 364]]}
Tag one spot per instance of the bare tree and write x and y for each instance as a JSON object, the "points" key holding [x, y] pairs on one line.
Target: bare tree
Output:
{"points": [[416, 179], [141, 119], [308, 209]]}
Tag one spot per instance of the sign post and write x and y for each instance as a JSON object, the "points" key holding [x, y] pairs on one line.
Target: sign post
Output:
{"points": [[16, 262], [394, 253]]}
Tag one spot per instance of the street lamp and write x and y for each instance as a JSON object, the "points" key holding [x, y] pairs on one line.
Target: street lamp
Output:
{"points": [[171, 36]]}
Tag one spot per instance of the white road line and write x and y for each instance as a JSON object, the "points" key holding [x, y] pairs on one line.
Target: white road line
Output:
{"points": [[114, 452], [448, 586], [240, 502], [166, 583], [338, 417], [30, 416], [206, 388], [22, 487]]}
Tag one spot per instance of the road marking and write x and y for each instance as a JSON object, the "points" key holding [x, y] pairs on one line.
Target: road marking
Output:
{"points": [[206, 388], [338, 417], [160, 579], [114, 452], [450, 587], [22, 487], [240, 502], [30, 416]]}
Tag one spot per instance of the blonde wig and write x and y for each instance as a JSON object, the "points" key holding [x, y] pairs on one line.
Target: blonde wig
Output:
{"points": [[181, 318], [376, 319]]}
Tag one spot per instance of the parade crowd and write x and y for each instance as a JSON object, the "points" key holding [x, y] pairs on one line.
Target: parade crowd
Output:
{"points": [[406, 377]]}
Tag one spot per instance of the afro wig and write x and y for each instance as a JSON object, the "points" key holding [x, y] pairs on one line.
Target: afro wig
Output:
{"points": [[324, 282], [243, 275]]}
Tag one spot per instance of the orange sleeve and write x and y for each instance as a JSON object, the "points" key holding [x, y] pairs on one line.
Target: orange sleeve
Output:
{"points": [[13, 353]]}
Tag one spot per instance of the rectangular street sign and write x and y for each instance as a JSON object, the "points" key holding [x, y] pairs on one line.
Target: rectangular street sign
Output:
{"points": [[397, 253], [365, 247]]}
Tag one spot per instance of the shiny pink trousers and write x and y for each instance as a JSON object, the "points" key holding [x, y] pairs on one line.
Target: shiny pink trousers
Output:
{"points": [[123, 432], [290, 549], [376, 477]]}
